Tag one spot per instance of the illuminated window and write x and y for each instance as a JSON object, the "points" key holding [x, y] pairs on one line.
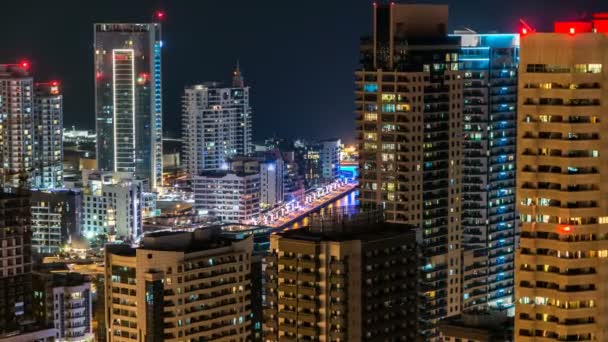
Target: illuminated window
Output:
{"points": [[388, 97], [388, 147], [403, 107], [388, 128], [370, 87], [370, 146], [371, 136], [545, 85], [371, 116], [603, 219], [388, 108], [388, 157], [603, 253]]}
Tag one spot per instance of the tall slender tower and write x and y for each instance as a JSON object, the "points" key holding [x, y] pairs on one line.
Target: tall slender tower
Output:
{"points": [[16, 124], [562, 181], [128, 99], [489, 63], [409, 106], [48, 132]]}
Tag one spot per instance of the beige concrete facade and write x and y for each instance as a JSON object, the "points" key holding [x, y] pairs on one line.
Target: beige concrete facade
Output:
{"points": [[332, 287], [562, 178], [409, 105], [179, 288]]}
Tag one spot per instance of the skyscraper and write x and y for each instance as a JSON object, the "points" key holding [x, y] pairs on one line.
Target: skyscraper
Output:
{"points": [[216, 124], [409, 124], [561, 264], [128, 99], [16, 124], [48, 135], [489, 63]]}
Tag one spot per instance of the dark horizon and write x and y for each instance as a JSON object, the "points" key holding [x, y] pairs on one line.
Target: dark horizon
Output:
{"points": [[298, 57]]}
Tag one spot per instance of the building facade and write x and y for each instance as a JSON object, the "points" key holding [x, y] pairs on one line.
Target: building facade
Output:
{"points": [[561, 263], [128, 99], [56, 219], [17, 139], [330, 159], [216, 125], [64, 301], [177, 286], [270, 166], [354, 281], [231, 196], [489, 63], [112, 206], [409, 96], [16, 268], [48, 135]]}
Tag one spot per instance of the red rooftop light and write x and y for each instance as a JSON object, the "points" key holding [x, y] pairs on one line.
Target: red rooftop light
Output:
{"points": [[572, 30], [54, 83], [524, 31], [24, 64], [160, 15]]}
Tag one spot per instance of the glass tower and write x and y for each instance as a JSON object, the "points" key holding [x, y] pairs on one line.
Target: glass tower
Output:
{"points": [[128, 99], [489, 62]]}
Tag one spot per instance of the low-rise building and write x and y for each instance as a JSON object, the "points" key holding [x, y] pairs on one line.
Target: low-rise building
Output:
{"points": [[231, 196], [56, 219], [64, 301], [112, 205]]}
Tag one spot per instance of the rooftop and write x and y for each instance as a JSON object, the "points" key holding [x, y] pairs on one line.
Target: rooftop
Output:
{"points": [[201, 239]]}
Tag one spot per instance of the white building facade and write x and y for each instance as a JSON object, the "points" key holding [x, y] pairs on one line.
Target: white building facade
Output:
{"points": [[233, 197], [217, 124], [112, 204]]}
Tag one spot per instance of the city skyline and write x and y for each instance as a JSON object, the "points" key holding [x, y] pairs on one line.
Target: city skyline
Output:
{"points": [[325, 51]]}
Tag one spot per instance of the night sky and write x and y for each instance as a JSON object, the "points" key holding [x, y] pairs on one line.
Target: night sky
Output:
{"points": [[298, 56]]}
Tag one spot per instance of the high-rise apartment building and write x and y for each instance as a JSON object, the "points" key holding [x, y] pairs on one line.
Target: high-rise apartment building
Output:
{"points": [[112, 206], [489, 63], [409, 96], [561, 263], [351, 278], [48, 135], [128, 99], [17, 139], [64, 301], [230, 196], [179, 286], [16, 265], [216, 125], [31, 129]]}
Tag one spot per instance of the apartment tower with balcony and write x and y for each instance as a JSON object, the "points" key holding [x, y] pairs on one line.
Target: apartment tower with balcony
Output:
{"points": [[409, 102], [348, 278], [489, 63], [216, 124], [179, 286], [561, 265]]}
